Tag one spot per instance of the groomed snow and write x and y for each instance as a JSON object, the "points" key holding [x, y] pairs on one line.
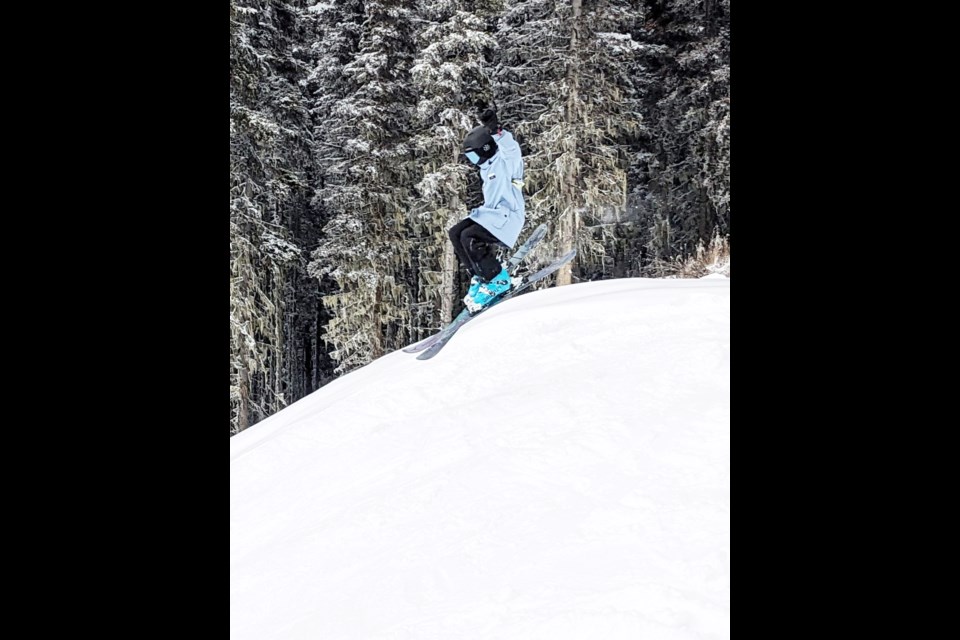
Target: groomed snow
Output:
{"points": [[561, 470]]}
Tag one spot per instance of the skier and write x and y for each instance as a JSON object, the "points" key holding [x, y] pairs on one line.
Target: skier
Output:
{"points": [[477, 238]]}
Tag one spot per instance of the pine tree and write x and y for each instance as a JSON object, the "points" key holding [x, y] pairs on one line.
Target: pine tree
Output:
{"points": [[688, 108], [270, 150], [563, 78], [368, 172]]}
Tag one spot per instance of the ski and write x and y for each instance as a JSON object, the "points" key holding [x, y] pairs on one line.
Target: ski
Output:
{"points": [[525, 248], [465, 317], [512, 266]]}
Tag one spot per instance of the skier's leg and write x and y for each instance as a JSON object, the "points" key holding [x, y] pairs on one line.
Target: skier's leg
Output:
{"points": [[481, 247], [456, 233]]}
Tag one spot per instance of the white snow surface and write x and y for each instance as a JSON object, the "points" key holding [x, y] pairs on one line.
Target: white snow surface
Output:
{"points": [[561, 470]]}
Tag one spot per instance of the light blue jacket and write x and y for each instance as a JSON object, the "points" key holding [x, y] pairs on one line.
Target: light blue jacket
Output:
{"points": [[503, 212]]}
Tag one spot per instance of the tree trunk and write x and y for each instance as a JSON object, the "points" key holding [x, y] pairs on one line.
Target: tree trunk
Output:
{"points": [[243, 418], [569, 220], [448, 288]]}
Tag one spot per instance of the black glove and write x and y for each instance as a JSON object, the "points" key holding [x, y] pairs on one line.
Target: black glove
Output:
{"points": [[489, 119]]}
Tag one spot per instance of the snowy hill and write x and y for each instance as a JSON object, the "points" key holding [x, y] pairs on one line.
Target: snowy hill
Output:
{"points": [[572, 483]]}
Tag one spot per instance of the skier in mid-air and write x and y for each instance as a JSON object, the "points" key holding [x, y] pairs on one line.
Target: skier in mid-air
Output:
{"points": [[477, 239]]}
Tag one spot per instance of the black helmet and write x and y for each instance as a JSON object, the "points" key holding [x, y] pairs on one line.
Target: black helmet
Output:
{"points": [[479, 146]]}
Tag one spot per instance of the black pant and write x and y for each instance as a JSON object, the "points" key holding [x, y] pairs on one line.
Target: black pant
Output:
{"points": [[476, 248]]}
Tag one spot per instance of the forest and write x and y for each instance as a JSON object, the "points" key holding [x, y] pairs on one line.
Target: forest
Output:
{"points": [[346, 124]]}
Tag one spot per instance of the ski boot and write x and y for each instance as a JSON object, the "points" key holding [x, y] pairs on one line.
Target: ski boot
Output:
{"points": [[475, 283], [489, 291]]}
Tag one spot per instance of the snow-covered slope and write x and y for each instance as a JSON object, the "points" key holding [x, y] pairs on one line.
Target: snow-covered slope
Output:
{"points": [[560, 470]]}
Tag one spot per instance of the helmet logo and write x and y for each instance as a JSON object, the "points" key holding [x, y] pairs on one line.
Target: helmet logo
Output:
{"points": [[486, 147]]}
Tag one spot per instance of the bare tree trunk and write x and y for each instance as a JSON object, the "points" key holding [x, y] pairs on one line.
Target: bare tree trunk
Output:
{"points": [[449, 274], [243, 418], [376, 334], [570, 219]]}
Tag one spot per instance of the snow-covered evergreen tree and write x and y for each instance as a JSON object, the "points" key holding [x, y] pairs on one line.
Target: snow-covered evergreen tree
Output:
{"points": [[563, 80], [687, 183], [273, 317], [368, 169]]}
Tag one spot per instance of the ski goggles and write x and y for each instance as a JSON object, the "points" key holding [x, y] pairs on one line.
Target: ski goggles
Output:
{"points": [[473, 157]]}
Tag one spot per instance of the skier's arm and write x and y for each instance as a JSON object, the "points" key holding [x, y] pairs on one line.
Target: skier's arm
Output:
{"points": [[512, 157]]}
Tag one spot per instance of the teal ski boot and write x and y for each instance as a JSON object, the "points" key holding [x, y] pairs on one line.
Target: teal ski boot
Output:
{"points": [[488, 291]]}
